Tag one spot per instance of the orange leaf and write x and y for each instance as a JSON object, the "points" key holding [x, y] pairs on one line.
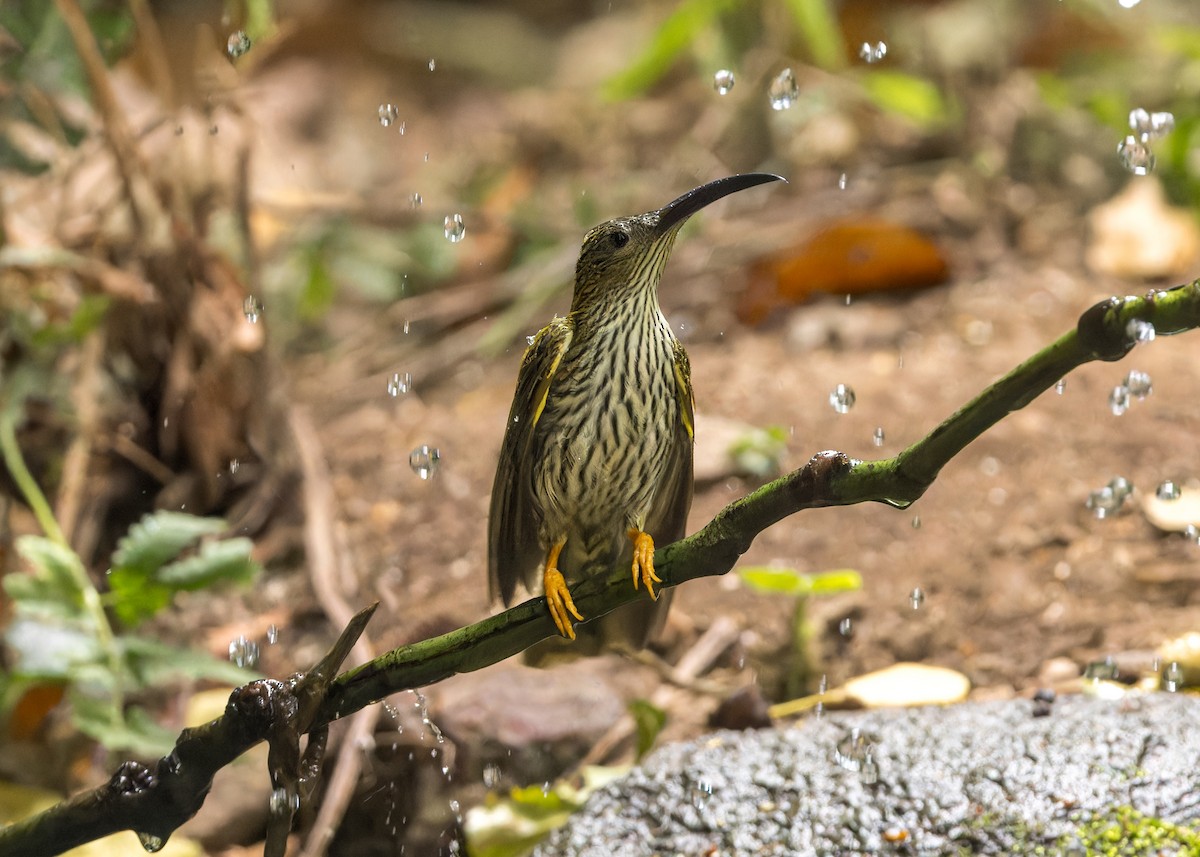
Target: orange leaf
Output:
{"points": [[847, 258]]}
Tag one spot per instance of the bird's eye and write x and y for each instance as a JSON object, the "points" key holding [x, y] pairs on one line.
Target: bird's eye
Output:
{"points": [[619, 238]]}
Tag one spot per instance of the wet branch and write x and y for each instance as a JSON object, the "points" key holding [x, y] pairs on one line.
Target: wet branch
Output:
{"points": [[157, 802]]}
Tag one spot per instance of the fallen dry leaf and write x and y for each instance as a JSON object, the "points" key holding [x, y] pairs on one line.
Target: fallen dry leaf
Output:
{"points": [[849, 257]]}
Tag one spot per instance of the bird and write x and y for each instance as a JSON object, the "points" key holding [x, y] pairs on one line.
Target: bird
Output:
{"points": [[596, 460]]}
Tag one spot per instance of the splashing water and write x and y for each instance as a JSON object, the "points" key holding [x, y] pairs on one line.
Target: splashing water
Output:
{"points": [[399, 384], [1136, 156], [238, 44], [1140, 330], [455, 228], [872, 53], [723, 81], [1148, 126], [1118, 400], [852, 751], [1172, 677], [387, 114], [842, 398], [424, 461], [783, 91], [877, 438], [252, 309], [916, 598], [1167, 490], [1139, 384], [244, 652]]}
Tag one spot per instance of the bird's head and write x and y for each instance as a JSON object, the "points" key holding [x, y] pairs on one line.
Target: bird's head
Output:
{"points": [[624, 258]]}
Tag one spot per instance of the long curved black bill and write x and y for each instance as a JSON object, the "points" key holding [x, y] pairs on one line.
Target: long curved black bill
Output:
{"points": [[678, 210]]}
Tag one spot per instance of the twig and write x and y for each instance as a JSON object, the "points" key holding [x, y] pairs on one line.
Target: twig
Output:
{"points": [[323, 570], [1107, 332]]}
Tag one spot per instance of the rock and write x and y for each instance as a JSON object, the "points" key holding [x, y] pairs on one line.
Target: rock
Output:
{"points": [[979, 778]]}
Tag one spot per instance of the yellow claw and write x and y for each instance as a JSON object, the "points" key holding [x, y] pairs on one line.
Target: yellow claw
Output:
{"points": [[643, 561], [558, 597]]}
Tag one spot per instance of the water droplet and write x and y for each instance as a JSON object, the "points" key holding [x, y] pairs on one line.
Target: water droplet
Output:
{"points": [[272, 635], [1139, 330], [842, 181], [529, 340], [1136, 156], [252, 308], [916, 598], [238, 44], [783, 91], [842, 398], [877, 438], [1118, 400], [1121, 487], [870, 770], [491, 775], [1173, 677], [916, 522], [234, 466], [846, 627], [150, 842], [424, 461], [387, 114], [1105, 670], [455, 229], [1139, 384], [1192, 533], [1148, 126], [1060, 386], [701, 792], [243, 652], [723, 81], [872, 53], [399, 383], [1167, 490], [284, 801], [852, 750], [415, 200], [432, 63], [402, 128]]}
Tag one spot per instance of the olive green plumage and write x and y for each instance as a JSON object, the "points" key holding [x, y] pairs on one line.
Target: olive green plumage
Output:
{"points": [[597, 453]]}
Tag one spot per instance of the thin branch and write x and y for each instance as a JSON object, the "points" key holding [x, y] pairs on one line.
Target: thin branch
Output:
{"points": [[1107, 331]]}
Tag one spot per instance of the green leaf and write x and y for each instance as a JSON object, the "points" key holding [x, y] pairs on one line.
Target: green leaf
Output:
{"points": [[784, 581], [57, 572], [216, 561], [676, 34], [159, 538], [914, 98], [134, 598], [649, 720], [788, 581], [317, 295], [838, 580], [153, 663], [50, 649]]}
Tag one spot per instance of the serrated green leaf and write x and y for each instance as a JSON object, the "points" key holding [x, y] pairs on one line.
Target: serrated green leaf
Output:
{"points": [[49, 648], [55, 565], [158, 538], [905, 95], [133, 598], [224, 560], [155, 663], [649, 720]]}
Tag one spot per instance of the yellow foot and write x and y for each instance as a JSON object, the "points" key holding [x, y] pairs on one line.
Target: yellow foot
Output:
{"points": [[558, 597], [643, 561]]}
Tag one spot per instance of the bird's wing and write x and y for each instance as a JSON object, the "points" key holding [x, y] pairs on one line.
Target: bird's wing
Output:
{"points": [[667, 521], [513, 549]]}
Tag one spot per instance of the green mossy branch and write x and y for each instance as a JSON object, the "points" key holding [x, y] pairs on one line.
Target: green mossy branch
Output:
{"points": [[1107, 331]]}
